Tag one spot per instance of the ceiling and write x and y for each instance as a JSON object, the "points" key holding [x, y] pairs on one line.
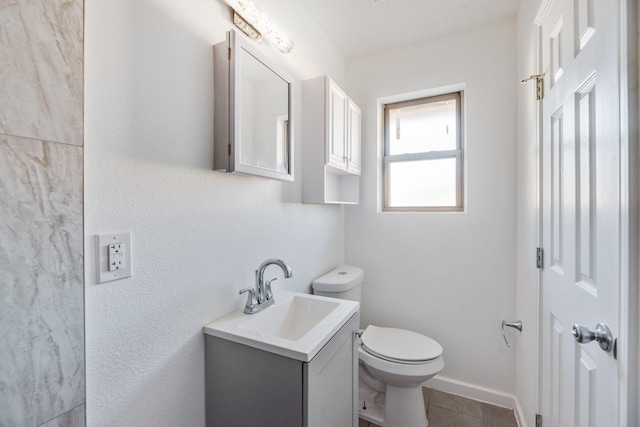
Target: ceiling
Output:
{"points": [[360, 26]]}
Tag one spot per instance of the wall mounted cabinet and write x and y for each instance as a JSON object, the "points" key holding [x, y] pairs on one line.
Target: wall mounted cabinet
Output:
{"points": [[331, 144], [252, 112]]}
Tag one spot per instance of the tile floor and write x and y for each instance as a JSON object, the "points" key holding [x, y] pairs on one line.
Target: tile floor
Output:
{"points": [[448, 410]]}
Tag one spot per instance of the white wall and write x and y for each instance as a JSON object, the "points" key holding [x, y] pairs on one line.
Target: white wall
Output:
{"points": [[448, 275], [527, 283], [197, 235]]}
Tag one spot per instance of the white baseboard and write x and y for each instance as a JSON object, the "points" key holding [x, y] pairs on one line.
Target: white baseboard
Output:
{"points": [[479, 393], [519, 414]]}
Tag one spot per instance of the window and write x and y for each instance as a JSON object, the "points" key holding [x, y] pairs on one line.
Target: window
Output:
{"points": [[422, 166]]}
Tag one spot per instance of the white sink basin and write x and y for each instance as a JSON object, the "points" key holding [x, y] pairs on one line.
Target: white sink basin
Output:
{"points": [[291, 319], [296, 326]]}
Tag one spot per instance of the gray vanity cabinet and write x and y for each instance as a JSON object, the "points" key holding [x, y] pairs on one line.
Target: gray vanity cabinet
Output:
{"points": [[246, 386]]}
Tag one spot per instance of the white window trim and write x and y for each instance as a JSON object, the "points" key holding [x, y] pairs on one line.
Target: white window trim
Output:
{"points": [[383, 164]]}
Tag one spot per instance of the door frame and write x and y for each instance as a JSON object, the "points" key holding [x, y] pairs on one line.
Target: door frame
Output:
{"points": [[629, 293]]}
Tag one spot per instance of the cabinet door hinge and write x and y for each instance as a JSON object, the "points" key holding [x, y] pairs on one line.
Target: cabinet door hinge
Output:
{"points": [[229, 54], [228, 149], [539, 257], [538, 420]]}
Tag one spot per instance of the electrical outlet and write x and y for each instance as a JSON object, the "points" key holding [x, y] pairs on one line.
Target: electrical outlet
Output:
{"points": [[116, 258], [113, 253]]}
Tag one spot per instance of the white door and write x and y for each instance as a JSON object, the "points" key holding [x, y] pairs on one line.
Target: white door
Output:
{"points": [[581, 208]]}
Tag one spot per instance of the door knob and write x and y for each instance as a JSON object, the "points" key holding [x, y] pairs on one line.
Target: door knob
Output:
{"points": [[602, 335]]}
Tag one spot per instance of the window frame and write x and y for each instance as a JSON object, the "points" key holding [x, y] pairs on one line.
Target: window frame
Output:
{"points": [[458, 153]]}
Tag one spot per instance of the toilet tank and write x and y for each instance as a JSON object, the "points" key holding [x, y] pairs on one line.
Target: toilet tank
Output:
{"points": [[344, 282]]}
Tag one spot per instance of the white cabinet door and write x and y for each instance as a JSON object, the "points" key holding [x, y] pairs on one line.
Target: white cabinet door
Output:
{"points": [[336, 149], [353, 138], [331, 381]]}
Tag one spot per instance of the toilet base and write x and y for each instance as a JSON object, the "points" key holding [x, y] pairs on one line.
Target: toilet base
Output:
{"points": [[404, 407], [398, 407]]}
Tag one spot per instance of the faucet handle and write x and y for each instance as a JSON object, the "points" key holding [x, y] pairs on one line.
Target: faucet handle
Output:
{"points": [[252, 302], [267, 288]]}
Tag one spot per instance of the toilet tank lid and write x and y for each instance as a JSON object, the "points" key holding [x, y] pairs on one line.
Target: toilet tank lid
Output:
{"points": [[340, 279]]}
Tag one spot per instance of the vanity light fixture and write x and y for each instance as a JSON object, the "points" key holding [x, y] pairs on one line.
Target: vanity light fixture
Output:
{"points": [[252, 20], [239, 22]]}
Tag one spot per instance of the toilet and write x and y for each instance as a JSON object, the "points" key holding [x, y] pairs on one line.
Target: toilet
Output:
{"points": [[393, 362]]}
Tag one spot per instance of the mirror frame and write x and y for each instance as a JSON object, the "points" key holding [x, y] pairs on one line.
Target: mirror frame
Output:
{"points": [[227, 108]]}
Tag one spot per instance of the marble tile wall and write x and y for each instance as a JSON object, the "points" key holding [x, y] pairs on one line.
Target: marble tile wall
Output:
{"points": [[73, 418], [42, 381], [41, 73]]}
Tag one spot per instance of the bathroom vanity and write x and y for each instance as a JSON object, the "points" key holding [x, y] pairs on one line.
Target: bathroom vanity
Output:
{"points": [[294, 364]]}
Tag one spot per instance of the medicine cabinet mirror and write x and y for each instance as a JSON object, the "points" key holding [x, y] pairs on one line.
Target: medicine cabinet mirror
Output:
{"points": [[252, 112]]}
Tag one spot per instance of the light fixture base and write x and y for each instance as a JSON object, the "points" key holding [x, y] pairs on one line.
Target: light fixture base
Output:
{"points": [[246, 28]]}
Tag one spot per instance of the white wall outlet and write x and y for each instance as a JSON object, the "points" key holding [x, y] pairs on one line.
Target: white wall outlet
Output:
{"points": [[116, 255], [113, 253]]}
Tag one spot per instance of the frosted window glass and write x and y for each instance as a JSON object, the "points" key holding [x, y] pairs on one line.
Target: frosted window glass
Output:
{"points": [[423, 127], [423, 183]]}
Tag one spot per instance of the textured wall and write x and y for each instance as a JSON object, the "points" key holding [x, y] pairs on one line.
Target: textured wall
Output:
{"points": [[41, 243], [197, 235], [447, 275]]}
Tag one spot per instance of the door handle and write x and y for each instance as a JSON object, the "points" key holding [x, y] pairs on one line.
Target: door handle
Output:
{"points": [[602, 335]]}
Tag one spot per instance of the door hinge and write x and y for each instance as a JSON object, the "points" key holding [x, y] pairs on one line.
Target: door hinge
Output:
{"points": [[538, 420], [539, 257], [228, 149], [539, 78], [539, 88], [229, 54]]}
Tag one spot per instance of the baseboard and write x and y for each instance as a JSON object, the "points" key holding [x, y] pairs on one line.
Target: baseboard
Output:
{"points": [[519, 414], [479, 393]]}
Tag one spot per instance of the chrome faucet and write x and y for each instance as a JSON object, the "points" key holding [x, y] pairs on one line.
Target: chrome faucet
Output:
{"points": [[262, 296]]}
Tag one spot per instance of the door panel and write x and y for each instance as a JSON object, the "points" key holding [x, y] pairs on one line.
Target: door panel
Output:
{"points": [[580, 209], [353, 142], [337, 114]]}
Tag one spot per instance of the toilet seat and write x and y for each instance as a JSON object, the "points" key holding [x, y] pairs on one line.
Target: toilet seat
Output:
{"points": [[400, 346]]}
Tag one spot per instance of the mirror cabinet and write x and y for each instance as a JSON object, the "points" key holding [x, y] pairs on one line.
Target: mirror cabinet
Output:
{"points": [[252, 112]]}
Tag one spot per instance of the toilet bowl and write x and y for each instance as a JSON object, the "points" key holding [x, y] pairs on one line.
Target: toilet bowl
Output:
{"points": [[393, 362]]}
